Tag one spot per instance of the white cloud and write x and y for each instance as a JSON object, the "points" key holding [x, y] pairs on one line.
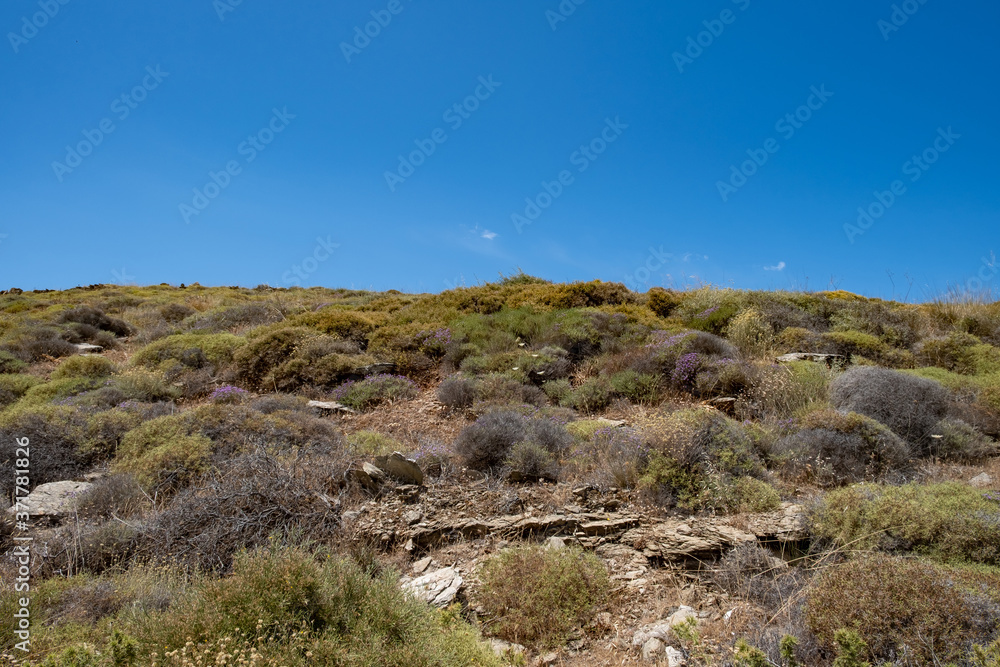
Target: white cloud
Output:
{"points": [[780, 266], [487, 234]]}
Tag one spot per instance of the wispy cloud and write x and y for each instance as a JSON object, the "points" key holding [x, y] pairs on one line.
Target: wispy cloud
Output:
{"points": [[780, 266], [487, 234]]}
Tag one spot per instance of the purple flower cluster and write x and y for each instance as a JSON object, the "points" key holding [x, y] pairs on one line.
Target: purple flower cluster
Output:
{"points": [[664, 339], [129, 405], [438, 338], [227, 393], [431, 450], [992, 495], [686, 368], [705, 313]]}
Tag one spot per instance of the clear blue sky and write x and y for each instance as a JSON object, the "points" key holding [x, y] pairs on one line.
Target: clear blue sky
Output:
{"points": [[662, 120]]}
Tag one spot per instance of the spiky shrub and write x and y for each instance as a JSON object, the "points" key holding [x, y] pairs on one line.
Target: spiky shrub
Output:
{"points": [[832, 449], [897, 607], [53, 434], [90, 366], [536, 596], [662, 302], [488, 443], [951, 522], [637, 387], [592, 395], [529, 461], [163, 454], [375, 390], [191, 350], [910, 406], [457, 392], [611, 456]]}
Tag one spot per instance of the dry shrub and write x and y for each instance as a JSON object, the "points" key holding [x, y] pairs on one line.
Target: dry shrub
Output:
{"points": [[244, 502], [457, 392], [486, 444], [909, 405], [86, 602], [114, 495], [905, 610], [536, 596], [53, 434], [833, 449], [753, 573], [751, 333], [92, 317]]}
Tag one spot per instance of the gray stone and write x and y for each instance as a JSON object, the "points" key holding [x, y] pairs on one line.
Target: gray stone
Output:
{"points": [[88, 348], [652, 649], [830, 360], [682, 615], [549, 658], [53, 499], [438, 588], [659, 630], [401, 468], [981, 481], [555, 543], [328, 406], [675, 658], [420, 566], [506, 649], [412, 517]]}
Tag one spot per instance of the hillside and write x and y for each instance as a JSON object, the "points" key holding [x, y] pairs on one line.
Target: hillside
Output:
{"points": [[588, 476]]}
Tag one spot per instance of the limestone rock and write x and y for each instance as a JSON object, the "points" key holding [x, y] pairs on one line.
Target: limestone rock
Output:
{"points": [[652, 649], [439, 588], [53, 499], [981, 481], [88, 348], [401, 468], [326, 407], [828, 359], [659, 630], [682, 615], [506, 649], [675, 658]]}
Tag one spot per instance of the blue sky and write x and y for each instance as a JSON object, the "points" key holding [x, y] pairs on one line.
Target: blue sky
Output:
{"points": [[729, 142]]}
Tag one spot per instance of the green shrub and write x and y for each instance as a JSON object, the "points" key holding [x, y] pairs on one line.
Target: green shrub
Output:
{"points": [[90, 366], [530, 462], [292, 607], [895, 606], [857, 343], [951, 522], [372, 443], [10, 364], [558, 390], [594, 293], [593, 395], [637, 387], [536, 596], [955, 440], [375, 390], [139, 384], [693, 456], [832, 449], [487, 443], [663, 302], [457, 392], [749, 494], [58, 390], [266, 351], [15, 385], [190, 349], [163, 453]]}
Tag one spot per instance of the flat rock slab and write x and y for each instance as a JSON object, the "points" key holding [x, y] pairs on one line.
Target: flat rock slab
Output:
{"points": [[401, 468], [438, 588], [981, 481], [54, 498], [328, 406], [88, 348]]}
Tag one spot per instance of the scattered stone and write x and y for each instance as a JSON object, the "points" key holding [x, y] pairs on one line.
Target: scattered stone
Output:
{"points": [[421, 565], [675, 658], [981, 481], [682, 615], [408, 493], [88, 348], [54, 499], [438, 588], [326, 407], [401, 468], [659, 630], [506, 649], [555, 543], [549, 658], [348, 517], [610, 423], [413, 517], [830, 360], [652, 649]]}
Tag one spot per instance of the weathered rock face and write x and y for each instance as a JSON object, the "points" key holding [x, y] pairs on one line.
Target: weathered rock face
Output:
{"points": [[439, 588], [54, 499], [401, 468], [327, 407], [981, 481]]}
